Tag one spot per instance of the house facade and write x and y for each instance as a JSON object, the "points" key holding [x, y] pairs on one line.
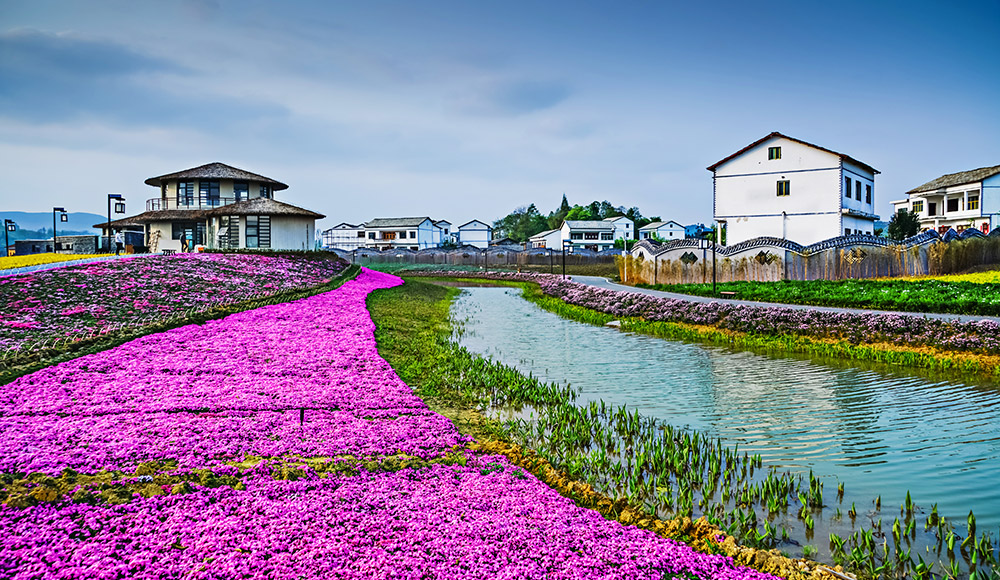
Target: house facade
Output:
{"points": [[444, 232], [411, 233], [667, 231], [624, 227], [475, 233], [968, 199], [548, 239], [344, 236], [595, 235], [218, 206], [787, 188]]}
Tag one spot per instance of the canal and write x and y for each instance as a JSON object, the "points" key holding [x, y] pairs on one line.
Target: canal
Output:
{"points": [[881, 432]]}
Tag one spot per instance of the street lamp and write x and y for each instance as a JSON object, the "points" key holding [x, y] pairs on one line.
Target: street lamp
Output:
{"points": [[119, 208], [8, 226], [715, 243], [565, 244], [63, 217]]}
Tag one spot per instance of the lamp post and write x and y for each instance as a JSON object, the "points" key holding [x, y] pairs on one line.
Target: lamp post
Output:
{"points": [[486, 259], [715, 244], [119, 208], [63, 217], [8, 226], [565, 244]]}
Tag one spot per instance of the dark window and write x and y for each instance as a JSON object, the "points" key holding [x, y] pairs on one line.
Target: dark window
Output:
{"points": [[258, 231], [857, 190], [784, 188], [185, 193], [847, 231], [371, 235], [932, 208], [590, 236], [607, 236], [973, 202], [402, 235], [576, 236], [868, 193], [265, 190], [194, 232], [952, 204], [229, 228], [413, 234], [773, 153], [208, 192], [361, 233], [241, 190], [847, 187]]}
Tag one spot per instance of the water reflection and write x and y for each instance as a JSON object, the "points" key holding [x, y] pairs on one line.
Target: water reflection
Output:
{"points": [[880, 432]]}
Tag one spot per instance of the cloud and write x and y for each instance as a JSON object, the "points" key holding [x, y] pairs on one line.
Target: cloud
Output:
{"points": [[54, 78], [518, 97]]}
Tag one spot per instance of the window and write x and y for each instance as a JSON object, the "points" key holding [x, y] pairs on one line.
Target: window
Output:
{"points": [[194, 232], [185, 193], [208, 192], [857, 190], [952, 205], [973, 202], [773, 153], [847, 187], [229, 231], [361, 233], [258, 231], [413, 234], [847, 231], [917, 206], [784, 188], [607, 236], [371, 235], [265, 190], [389, 235], [590, 236], [868, 193], [241, 190], [576, 236]]}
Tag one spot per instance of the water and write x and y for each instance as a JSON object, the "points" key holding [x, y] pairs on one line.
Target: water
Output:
{"points": [[880, 432]]}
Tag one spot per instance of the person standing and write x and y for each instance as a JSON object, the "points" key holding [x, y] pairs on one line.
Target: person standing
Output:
{"points": [[119, 242]]}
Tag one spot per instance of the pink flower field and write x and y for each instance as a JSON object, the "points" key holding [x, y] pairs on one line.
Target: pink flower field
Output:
{"points": [[277, 420]]}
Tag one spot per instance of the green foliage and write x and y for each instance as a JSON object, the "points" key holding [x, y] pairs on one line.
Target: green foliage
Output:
{"points": [[906, 296], [903, 224]]}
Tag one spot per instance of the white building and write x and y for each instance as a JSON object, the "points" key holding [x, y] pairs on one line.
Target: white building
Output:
{"points": [[624, 227], [344, 236], [783, 187], [444, 232], [547, 239], [968, 199], [593, 235], [475, 233], [222, 207], [666, 231], [412, 233]]}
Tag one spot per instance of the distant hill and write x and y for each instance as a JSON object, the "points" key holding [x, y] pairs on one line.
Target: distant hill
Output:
{"points": [[79, 222]]}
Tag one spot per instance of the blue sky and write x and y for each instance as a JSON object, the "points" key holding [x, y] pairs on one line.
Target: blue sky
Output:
{"points": [[466, 110]]}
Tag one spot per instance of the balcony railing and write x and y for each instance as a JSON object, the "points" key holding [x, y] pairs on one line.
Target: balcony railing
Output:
{"points": [[158, 203]]}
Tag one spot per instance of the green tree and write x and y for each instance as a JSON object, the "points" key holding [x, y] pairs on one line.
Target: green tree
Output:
{"points": [[520, 224], [579, 212], [903, 224]]}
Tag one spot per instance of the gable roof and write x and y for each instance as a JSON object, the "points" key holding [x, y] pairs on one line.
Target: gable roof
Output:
{"points": [[543, 234], [488, 226], [775, 134], [439, 222], [215, 171], [404, 222], [589, 225], [616, 218], [960, 178], [658, 225]]}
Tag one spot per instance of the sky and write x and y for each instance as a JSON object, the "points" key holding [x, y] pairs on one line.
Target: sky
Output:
{"points": [[464, 110]]}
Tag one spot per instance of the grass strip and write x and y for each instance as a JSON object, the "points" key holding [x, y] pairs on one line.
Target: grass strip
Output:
{"points": [[13, 367]]}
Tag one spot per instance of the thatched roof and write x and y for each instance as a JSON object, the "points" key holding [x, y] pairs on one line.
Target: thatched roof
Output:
{"points": [[263, 206], [167, 215], [215, 171], [960, 178]]}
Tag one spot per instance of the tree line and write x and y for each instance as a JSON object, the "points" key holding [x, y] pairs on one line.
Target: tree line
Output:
{"points": [[527, 221]]}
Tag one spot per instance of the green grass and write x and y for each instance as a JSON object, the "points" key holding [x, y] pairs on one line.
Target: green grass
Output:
{"points": [[906, 296]]}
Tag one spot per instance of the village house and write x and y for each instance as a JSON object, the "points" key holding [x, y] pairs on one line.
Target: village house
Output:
{"points": [[412, 233], [595, 235], [666, 231], [968, 199], [444, 233], [221, 207], [787, 188], [547, 239], [624, 227], [344, 236], [475, 233]]}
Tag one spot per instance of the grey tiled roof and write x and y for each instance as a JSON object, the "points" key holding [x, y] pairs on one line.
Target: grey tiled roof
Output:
{"points": [[543, 234], [215, 171], [405, 222], [960, 178], [589, 225]]}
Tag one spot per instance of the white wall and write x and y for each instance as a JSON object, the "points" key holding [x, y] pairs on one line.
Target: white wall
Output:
{"points": [[474, 234]]}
